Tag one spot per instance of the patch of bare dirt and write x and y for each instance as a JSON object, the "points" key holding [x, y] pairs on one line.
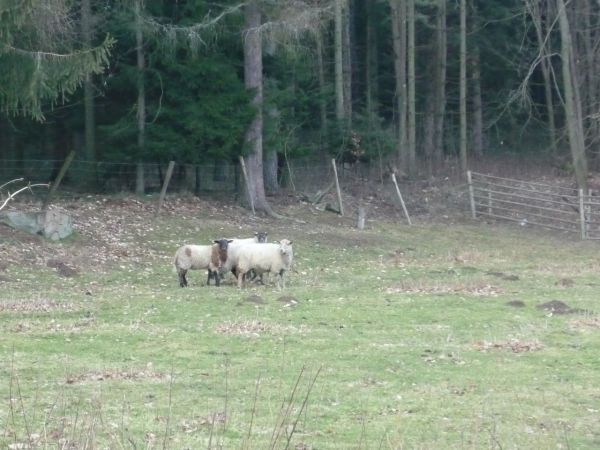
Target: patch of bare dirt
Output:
{"points": [[513, 345], [558, 307], [504, 276], [516, 304], [35, 305], [476, 290], [565, 282], [117, 375], [256, 328], [54, 326], [63, 269], [288, 301], [592, 323], [255, 299], [195, 423]]}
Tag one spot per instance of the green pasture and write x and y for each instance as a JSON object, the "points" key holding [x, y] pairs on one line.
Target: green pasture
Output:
{"points": [[422, 337]]}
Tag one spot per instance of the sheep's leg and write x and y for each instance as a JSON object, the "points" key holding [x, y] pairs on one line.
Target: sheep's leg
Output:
{"points": [[209, 277], [182, 280], [281, 279], [240, 278], [217, 281]]}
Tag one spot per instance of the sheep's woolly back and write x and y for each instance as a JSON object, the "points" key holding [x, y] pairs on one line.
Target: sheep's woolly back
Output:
{"points": [[265, 257], [234, 247], [193, 257], [261, 258]]}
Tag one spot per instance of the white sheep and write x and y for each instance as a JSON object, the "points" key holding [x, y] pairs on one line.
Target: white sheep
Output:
{"points": [[234, 245], [198, 257], [261, 258]]}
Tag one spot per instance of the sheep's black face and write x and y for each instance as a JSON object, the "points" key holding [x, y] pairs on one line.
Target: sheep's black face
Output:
{"points": [[261, 236], [223, 244]]}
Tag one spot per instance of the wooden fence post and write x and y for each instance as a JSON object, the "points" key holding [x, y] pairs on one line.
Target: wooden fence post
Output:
{"points": [[61, 173], [401, 199], [337, 187], [471, 194], [163, 191], [582, 215], [360, 222]]}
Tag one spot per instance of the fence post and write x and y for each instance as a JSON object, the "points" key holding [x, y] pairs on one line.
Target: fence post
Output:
{"points": [[471, 194], [582, 215], [54, 186], [401, 199], [337, 187], [165, 185]]}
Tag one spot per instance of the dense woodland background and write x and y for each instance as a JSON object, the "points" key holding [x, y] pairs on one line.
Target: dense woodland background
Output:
{"points": [[409, 85]]}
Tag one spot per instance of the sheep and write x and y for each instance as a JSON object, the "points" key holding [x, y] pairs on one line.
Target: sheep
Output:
{"points": [[259, 236], [197, 257], [235, 245], [276, 258]]}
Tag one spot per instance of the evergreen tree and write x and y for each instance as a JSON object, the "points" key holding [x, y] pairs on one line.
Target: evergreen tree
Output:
{"points": [[41, 60]]}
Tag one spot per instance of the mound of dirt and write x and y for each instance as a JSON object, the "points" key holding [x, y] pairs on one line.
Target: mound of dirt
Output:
{"points": [[287, 301], [516, 304], [62, 268], [256, 299], [558, 307]]}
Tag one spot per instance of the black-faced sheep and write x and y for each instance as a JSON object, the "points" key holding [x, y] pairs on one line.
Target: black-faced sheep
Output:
{"points": [[198, 257], [261, 258]]}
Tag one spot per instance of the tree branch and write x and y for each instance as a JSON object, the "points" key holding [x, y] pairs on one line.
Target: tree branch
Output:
{"points": [[18, 191]]}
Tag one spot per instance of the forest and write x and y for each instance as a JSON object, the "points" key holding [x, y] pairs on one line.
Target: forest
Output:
{"points": [[415, 84]]}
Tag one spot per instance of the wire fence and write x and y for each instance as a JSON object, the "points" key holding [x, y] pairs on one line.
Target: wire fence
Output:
{"points": [[531, 203], [114, 177]]}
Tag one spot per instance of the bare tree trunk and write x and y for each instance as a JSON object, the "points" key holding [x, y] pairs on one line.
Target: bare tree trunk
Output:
{"points": [[339, 67], [588, 53], [371, 65], [270, 172], [429, 133], [545, 50], [440, 83], [253, 78], [572, 100], [412, 105], [463, 86], [347, 60], [398, 13], [321, 73], [477, 125], [141, 104], [8, 146], [88, 87]]}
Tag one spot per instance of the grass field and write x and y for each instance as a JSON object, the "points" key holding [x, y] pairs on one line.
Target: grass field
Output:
{"points": [[424, 337]]}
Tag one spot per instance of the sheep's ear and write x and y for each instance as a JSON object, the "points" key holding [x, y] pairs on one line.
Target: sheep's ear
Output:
{"points": [[290, 242], [229, 241], [216, 241]]}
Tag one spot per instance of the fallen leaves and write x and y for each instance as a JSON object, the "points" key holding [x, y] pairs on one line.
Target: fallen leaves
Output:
{"points": [[117, 375], [476, 290], [254, 328], [513, 345], [35, 305]]}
